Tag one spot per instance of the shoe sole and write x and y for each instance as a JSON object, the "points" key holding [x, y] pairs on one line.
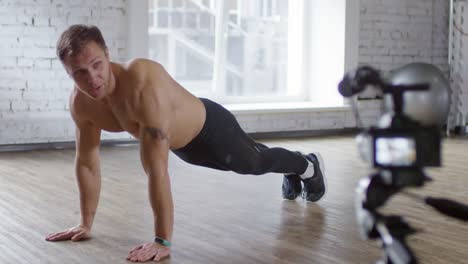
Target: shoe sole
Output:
{"points": [[322, 168]]}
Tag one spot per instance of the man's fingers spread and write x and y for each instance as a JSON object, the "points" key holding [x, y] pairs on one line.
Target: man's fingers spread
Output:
{"points": [[133, 254], [161, 255], [78, 236], [143, 257], [61, 236], [157, 257], [53, 235], [147, 254], [135, 248]]}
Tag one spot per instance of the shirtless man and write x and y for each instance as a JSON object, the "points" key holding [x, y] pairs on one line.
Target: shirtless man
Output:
{"points": [[141, 98]]}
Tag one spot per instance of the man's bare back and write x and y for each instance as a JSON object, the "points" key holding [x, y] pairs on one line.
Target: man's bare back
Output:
{"points": [[120, 110]]}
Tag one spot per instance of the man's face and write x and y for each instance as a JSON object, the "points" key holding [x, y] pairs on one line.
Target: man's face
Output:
{"points": [[90, 69]]}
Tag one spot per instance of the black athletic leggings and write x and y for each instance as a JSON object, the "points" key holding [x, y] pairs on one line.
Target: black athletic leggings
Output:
{"points": [[223, 145]]}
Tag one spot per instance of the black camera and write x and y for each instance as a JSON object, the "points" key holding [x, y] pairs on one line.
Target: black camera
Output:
{"points": [[398, 141]]}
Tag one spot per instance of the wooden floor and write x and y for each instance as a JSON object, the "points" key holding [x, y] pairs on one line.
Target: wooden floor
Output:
{"points": [[221, 217]]}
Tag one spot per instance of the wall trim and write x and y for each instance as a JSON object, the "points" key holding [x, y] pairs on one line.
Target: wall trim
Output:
{"points": [[119, 142], [60, 145]]}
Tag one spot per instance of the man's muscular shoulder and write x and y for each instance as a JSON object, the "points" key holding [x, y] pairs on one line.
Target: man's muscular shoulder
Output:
{"points": [[148, 91], [141, 70], [78, 103], [145, 77]]}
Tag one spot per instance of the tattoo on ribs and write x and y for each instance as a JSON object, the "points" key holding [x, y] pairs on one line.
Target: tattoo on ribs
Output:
{"points": [[156, 133]]}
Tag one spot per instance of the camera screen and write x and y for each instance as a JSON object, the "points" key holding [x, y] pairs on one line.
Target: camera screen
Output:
{"points": [[395, 151]]}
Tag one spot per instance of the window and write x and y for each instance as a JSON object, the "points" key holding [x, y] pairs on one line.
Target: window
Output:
{"points": [[227, 49], [250, 50]]}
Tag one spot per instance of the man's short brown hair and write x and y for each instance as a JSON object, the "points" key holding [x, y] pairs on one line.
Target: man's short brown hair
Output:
{"points": [[72, 40]]}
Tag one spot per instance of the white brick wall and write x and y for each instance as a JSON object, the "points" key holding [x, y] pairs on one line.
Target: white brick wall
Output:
{"points": [[397, 32], [459, 66], [34, 88]]}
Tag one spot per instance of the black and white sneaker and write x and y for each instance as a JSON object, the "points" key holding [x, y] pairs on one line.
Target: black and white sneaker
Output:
{"points": [[315, 186], [292, 186]]}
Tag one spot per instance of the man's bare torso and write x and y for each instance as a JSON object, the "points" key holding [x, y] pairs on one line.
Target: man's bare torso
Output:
{"points": [[137, 79]]}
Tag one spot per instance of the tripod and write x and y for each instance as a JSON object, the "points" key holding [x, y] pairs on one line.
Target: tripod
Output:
{"points": [[398, 134], [373, 192]]}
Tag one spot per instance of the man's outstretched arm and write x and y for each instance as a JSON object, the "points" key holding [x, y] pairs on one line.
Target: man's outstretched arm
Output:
{"points": [[154, 156], [154, 120], [87, 170], [154, 149]]}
